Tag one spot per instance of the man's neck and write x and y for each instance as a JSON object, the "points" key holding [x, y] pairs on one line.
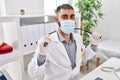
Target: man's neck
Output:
{"points": [[66, 36]]}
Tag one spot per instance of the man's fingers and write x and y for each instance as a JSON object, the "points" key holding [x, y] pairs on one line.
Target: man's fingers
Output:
{"points": [[96, 36], [47, 39]]}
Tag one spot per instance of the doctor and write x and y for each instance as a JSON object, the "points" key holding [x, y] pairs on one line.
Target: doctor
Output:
{"points": [[58, 55]]}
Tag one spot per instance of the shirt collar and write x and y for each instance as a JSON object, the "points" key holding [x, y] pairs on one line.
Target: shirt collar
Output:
{"points": [[62, 39]]}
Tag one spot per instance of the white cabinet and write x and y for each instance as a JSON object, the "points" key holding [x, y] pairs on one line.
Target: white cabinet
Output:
{"points": [[31, 29], [22, 32]]}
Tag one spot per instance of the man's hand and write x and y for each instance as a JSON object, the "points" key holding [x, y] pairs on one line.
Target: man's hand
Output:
{"points": [[95, 38], [43, 44]]}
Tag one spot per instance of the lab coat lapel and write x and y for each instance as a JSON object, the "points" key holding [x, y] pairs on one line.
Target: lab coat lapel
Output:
{"points": [[63, 51], [78, 51], [79, 45], [60, 46]]}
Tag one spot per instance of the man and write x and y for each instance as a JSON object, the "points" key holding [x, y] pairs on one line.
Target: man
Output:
{"points": [[58, 55]]}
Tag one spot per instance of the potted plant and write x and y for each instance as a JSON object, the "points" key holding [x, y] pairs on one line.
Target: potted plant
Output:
{"points": [[90, 11]]}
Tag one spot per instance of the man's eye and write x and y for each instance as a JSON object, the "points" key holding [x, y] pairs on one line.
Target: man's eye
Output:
{"points": [[72, 17], [65, 17]]}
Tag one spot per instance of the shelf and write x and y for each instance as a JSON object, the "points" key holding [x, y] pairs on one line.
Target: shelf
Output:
{"points": [[8, 19], [6, 58], [23, 30], [13, 18]]}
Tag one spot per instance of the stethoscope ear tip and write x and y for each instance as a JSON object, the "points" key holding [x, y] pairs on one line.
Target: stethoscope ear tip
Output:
{"points": [[107, 69]]}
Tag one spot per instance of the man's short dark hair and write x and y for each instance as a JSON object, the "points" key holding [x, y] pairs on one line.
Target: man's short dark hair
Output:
{"points": [[63, 6]]}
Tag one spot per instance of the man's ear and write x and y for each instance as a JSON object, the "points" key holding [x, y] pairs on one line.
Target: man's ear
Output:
{"points": [[56, 19]]}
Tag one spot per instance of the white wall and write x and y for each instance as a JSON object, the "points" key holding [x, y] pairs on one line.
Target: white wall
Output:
{"points": [[52, 6], [60, 2], [109, 27], [2, 11], [30, 6], [1, 33], [2, 7]]}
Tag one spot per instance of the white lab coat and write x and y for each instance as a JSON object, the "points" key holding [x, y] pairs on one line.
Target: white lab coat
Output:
{"points": [[58, 65]]}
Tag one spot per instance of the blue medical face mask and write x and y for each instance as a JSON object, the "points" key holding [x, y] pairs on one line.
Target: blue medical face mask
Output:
{"points": [[67, 26]]}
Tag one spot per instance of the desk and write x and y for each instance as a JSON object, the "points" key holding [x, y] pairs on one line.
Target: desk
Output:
{"points": [[112, 62]]}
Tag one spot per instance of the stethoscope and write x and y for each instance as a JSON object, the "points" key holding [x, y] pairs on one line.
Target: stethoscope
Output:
{"points": [[111, 69], [83, 30], [45, 44]]}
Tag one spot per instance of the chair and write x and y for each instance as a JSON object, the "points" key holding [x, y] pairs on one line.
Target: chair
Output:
{"points": [[86, 65]]}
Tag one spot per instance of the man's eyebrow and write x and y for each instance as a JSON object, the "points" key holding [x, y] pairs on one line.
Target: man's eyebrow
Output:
{"points": [[64, 15], [67, 15], [73, 15]]}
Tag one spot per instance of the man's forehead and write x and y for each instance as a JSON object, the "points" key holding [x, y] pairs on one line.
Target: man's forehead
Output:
{"points": [[66, 11]]}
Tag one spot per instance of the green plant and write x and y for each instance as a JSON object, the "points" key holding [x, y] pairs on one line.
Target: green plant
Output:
{"points": [[90, 11]]}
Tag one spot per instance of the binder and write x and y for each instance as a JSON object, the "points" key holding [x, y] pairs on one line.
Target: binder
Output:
{"points": [[36, 35], [30, 34], [31, 37], [24, 38], [38, 32], [41, 30]]}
